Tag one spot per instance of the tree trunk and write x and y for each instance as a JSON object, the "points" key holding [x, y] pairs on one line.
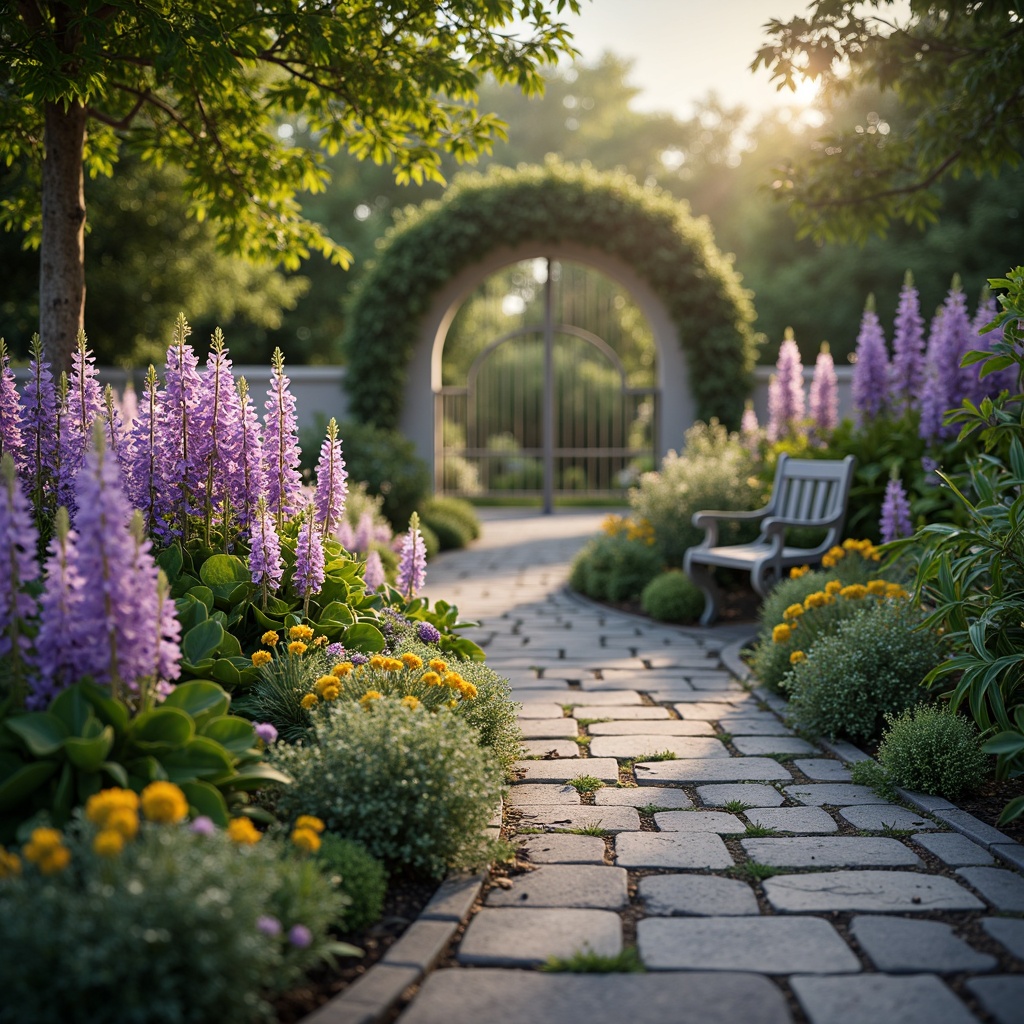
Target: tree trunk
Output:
{"points": [[62, 254]]}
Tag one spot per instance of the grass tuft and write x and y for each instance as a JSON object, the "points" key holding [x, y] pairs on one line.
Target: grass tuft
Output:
{"points": [[586, 961], [585, 784]]}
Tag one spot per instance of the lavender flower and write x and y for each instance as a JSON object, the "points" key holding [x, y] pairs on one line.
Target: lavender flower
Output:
{"points": [[265, 563], [824, 395], [359, 659], [373, 574], [86, 396], [300, 936], [267, 925], [335, 650], [895, 518], [309, 575], [946, 382], [114, 427], [281, 445], [871, 369], [148, 453], [907, 373], [11, 439], [203, 826], [786, 390], [364, 533], [253, 466], [412, 567], [39, 431], [331, 482], [265, 731], [428, 633], [961, 338]]}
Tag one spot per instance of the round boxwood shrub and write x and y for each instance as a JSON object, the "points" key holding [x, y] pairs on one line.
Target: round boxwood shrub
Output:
{"points": [[871, 666], [931, 749], [414, 787], [614, 568], [360, 876], [453, 521], [671, 597]]}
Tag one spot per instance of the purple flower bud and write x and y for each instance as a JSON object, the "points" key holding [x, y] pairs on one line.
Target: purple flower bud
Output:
{"points": [[11, 439], [281, 445], [203, 826], [824, 396], [428, 633], [345, 536], [412, 568], [895, 520], [786, 390], [265, 563], [331, 482], [300, 936], [907, 372], [309, 574], [268, 925], [871, 370], [373, 574], [265, 731], [335, 650]]}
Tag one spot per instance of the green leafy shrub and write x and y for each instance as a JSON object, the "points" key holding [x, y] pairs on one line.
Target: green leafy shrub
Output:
{"points": [[456, 510], [614, 568], [179, 927], [713, 471], [933, 750], [872, 665], [415, 788], [671, 597], [359, 875]]}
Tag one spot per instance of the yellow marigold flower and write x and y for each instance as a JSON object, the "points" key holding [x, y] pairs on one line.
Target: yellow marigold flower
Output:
{"points": [[430, 678], [799, 570], [123, 821], [438, 665], [321, 641], [392, 665], [306, 840], [369, 697], [781, 633], [796, 657], [794, 611], [104, 803], [613, 525], [413, 661], [827, 561], [851, 545], [894, 590], [164, 802], [270, 638], [854, 592], [261, 658], [816, 600], [10, 864], [330, 693], [453, 703], [243, 832], [343, 669], [467, 689], [309, 701], [377, 661], [323, 682], [42, 842], [833, 587], [411, 702], [310, 821], [877, 587], [453, 679], [297, 647], [300, 633], [56, 861], [108, 843]]}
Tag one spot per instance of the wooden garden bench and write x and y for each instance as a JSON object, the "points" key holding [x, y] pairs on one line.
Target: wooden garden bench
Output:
{"points": [[806, 493]]}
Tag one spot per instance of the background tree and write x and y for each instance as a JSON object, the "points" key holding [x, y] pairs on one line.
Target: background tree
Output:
{"points": [[198, 84], [955, 68]]}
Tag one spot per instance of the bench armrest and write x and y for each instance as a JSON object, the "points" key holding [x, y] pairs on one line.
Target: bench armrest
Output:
{"points": [[708, 521]]}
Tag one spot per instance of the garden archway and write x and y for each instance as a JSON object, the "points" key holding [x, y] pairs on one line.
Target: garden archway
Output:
{"points": [[641, 238]]}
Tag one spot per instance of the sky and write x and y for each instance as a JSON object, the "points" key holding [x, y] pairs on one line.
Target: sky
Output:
{"points": [[684, 49]]}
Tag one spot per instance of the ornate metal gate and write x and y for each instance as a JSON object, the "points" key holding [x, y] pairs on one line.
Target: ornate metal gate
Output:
{"points": [[546, 409]]}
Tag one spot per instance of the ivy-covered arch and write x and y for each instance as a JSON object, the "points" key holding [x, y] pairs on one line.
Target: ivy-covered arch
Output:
{"points": [[646, 229]]}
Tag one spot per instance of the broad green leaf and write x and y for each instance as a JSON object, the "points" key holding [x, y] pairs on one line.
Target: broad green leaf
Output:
{"points": [[224, 672], [24, 782], [199, 698], [220, 570], [64, 795], [116, 772], [256, 776], [234, 734], [206, 799], [337, 612], [164, 728], [144, 770], [200, 758], [110, 711], [41, 731], [204, 595], [171, 561], [364, 637], [202, 641], [265, 621], [90, 754], [72, 707]]}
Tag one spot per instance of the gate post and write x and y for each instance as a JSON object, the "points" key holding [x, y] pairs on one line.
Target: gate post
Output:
{"points": [[549, 397]]}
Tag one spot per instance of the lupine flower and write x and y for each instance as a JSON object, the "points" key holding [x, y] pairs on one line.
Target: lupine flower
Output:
{"points": [[254, 474], [871, 370], [365, 532], [428, 633], [345, 536], [961, 338], [412, 567], [11, 439], [945, 380], [1006, 379], [39, 429], [331, 482], [147, 456], [265, 563], [907, 373], [750, 429], [281, 445], [824, 394], [895, 519], [373, 574], [69, 454], [129, 404], [309, 574], [114, 427], [786, 390], [18, 567]]}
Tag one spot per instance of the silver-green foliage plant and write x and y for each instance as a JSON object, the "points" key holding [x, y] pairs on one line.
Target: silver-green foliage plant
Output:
{"points": [[615, 568], [672, 597], [180, 928], [359, 875], [933, 750], [713, 471], [415, 788], [872, 665]]}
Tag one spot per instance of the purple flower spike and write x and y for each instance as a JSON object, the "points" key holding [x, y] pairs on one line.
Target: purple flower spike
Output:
{"points": [[253, 468], [895, 520], [946, 382], [39, 430], [281, 445], [331, 482], [265, 731], [309, 560], [824, 395], [907, 376], [871, 370], [373, 574], [428, 633], [300, 936], [11, 439], [365, 530], [786, 390], [412, 568], [345, 536], [265, 563]]}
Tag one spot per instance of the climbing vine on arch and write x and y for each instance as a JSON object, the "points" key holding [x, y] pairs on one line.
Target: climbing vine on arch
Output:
{"points": [[646, 229]]}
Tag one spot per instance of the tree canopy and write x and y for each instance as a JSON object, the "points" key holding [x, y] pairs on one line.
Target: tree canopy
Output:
{"points": [[199, 83], [955, 68]]}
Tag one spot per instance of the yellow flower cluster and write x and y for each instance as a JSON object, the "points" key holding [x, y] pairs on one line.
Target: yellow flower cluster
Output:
{"points": [[327, 688], [799, 570], [261, 658], [411, 702], [796, 657], [342, 670], [864, 548], [10, 864], [304, 633], [781, 633], [45, 848], [634, 529], [854, 592], [369, 697], [115, 812], [309, 701], [270, 638], [306, 834], [297, 647], [164, 802], [794, 611], [243, 832]]}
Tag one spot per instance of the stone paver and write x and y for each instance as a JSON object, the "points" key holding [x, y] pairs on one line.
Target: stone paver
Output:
{"points": [[768, 725], [699, 821], [1002, 996], [823, 769], [672, 727], [696, 896], [805, 820], [715, 769], [897, 945], [560, 771], [1007, 930], [886, 891], [954, 849], [831, 852], [671, 850], [549, 728], [526, 938], [1003, 889], [639, 713], [643, 796], [876, 999], [602, 698], [540, 709], [565, 885], [835, 795], [714, 711], [542, 793], [752, 794], [880, 817], [559, 848], [767, 945], [567, 816], [515, 997], [772, 745], [550, 748], [639, 745]]}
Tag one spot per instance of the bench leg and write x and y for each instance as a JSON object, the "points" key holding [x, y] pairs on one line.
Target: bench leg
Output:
{"points": [[703, 577]]}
